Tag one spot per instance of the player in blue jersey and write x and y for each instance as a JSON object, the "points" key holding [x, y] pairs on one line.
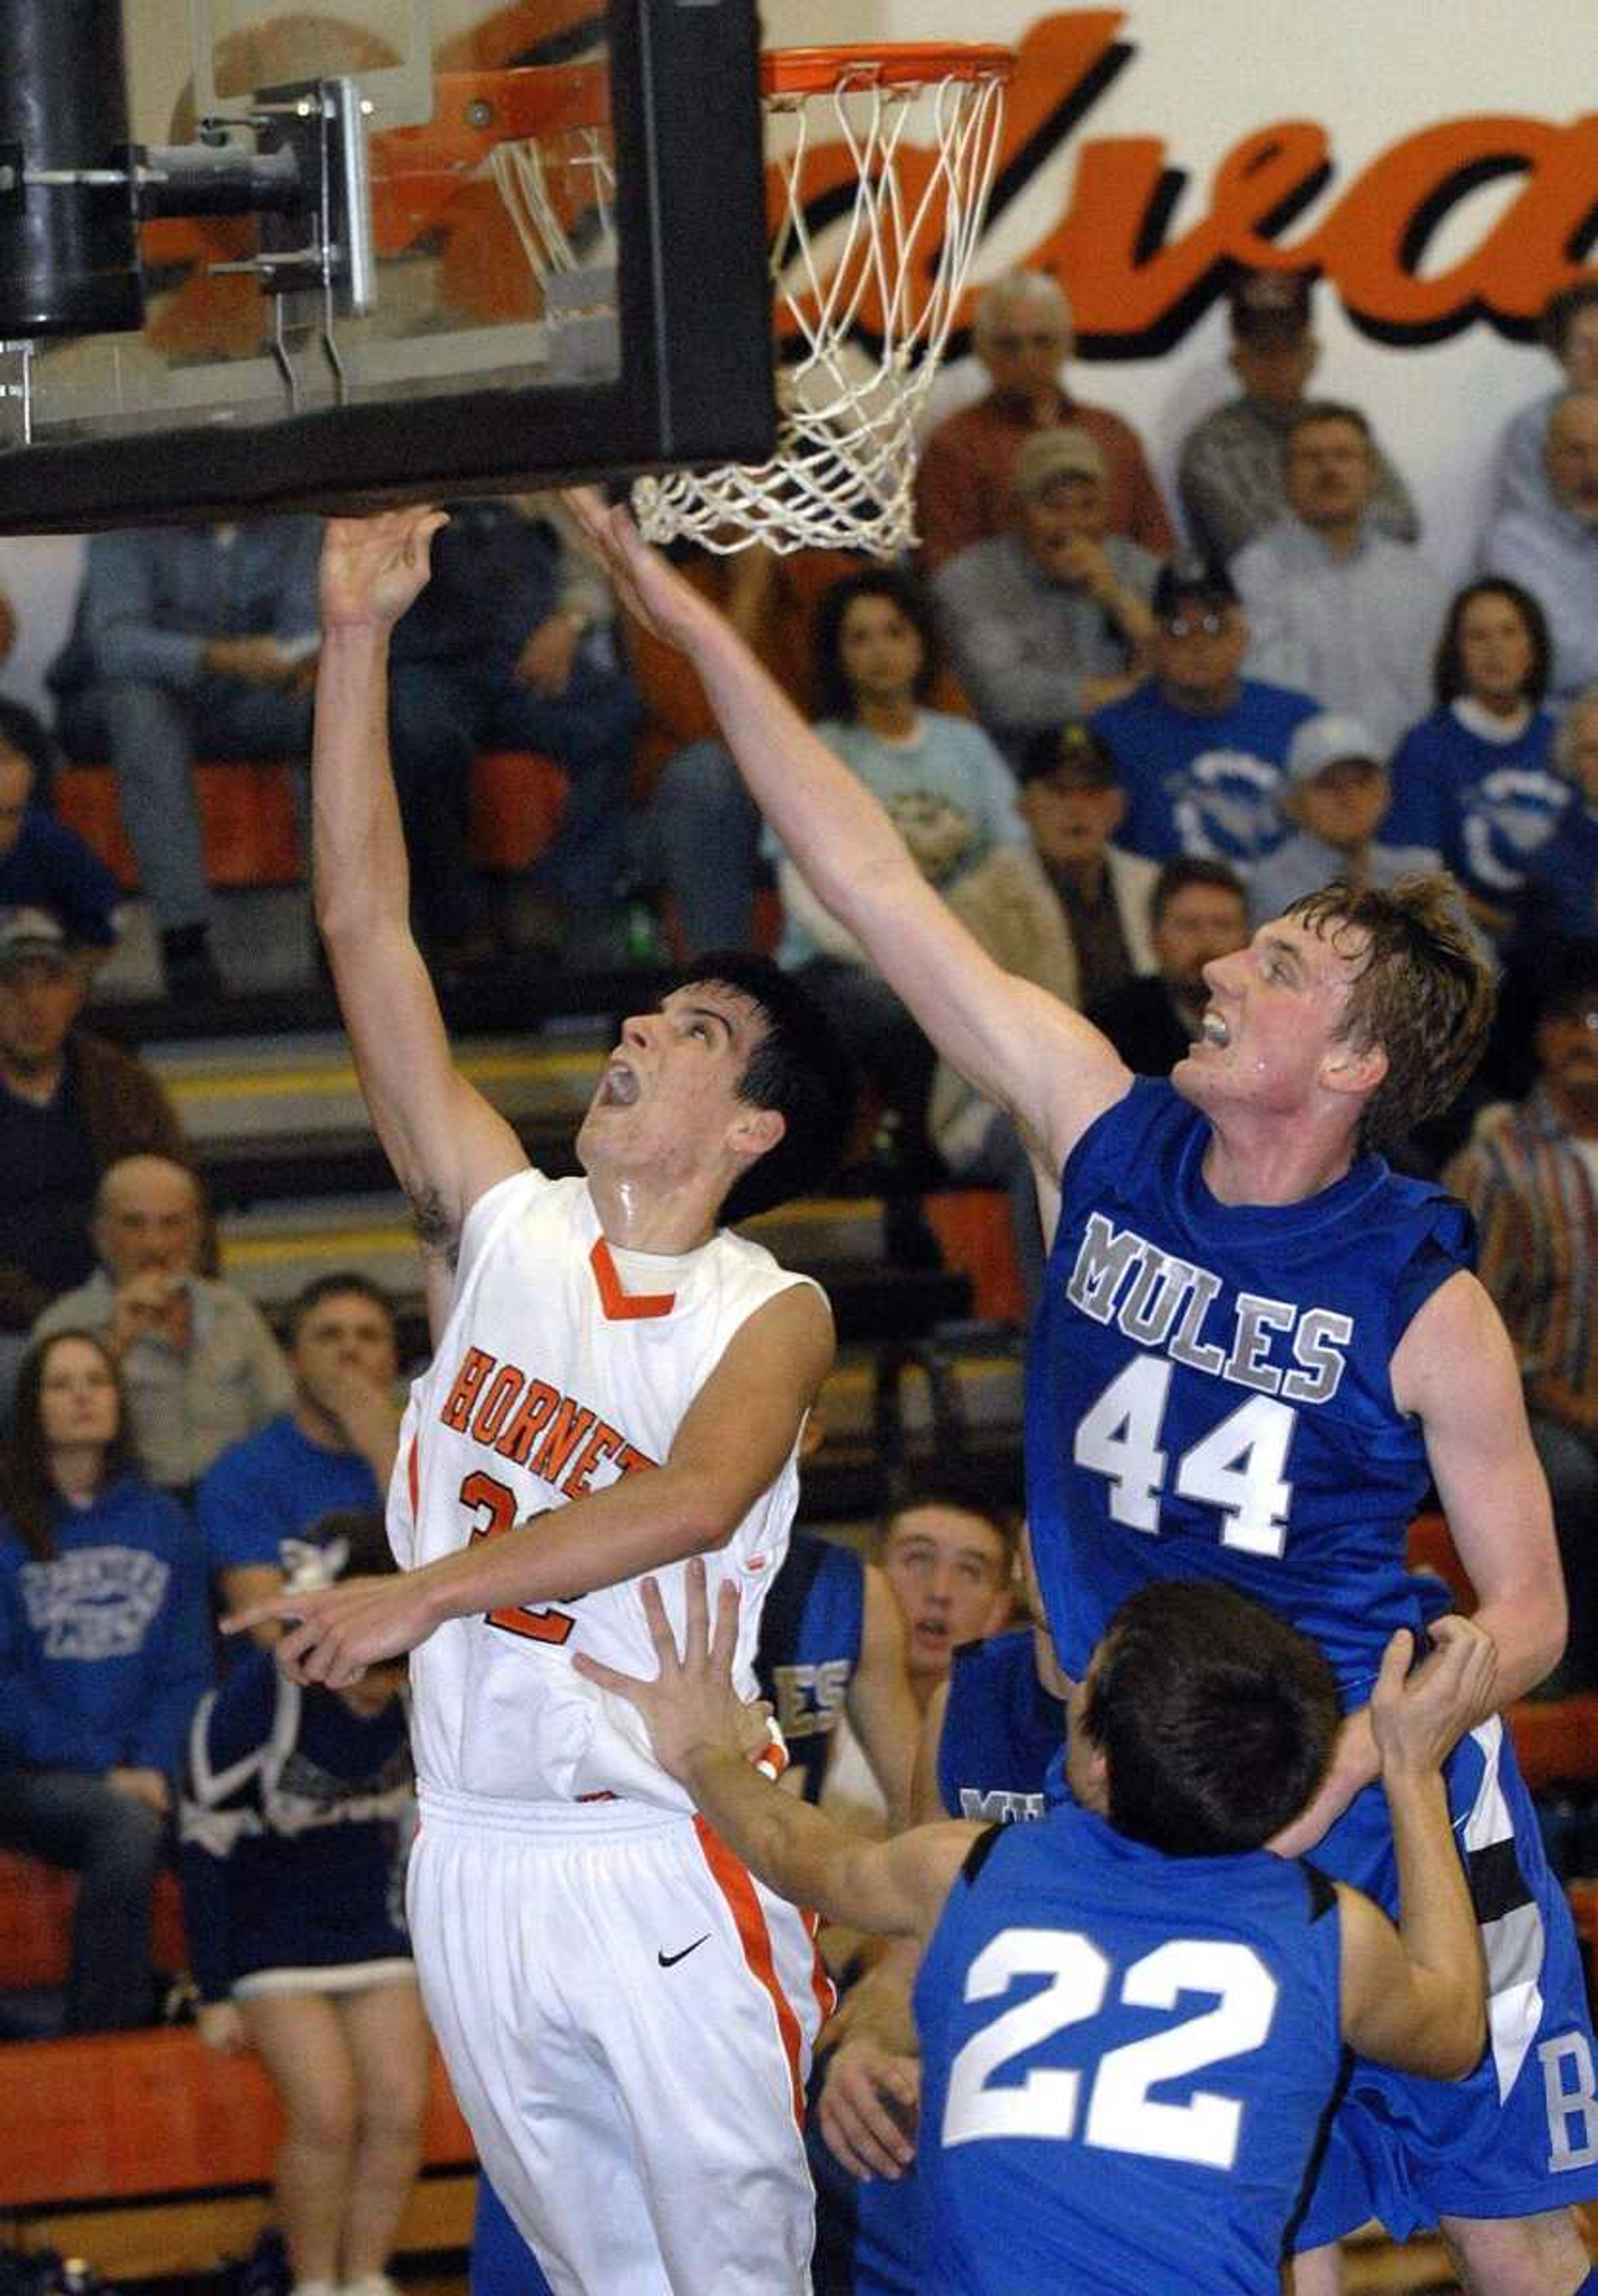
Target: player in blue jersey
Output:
{"points": [[1256, 1345], [1081, 2123]]}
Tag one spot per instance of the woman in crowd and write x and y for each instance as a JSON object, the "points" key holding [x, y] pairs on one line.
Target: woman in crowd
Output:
{"points": [[1474, 781], [104, 1654], [951, 795], [297, 1814]]}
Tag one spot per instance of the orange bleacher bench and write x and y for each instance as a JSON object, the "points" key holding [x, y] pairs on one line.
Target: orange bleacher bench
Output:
{"points": [[251, 828], [36, 1924]]}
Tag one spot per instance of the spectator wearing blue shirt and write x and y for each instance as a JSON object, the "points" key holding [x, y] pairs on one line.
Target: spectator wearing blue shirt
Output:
{"points": [[189, 642], [1197, 747], [1562, 887], [104, 1654], [44, 864], [1338, 793], [333, 1452], [1473, 781]]}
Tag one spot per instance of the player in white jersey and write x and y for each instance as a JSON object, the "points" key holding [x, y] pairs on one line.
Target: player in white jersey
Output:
{"points": [[618, 1384]]}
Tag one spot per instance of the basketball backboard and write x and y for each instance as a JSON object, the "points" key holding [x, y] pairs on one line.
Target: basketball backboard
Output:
{"points": [[305, 260]]}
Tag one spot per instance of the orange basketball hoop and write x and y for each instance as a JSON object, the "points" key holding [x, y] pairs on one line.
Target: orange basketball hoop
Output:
{"points": [[879, 162]]}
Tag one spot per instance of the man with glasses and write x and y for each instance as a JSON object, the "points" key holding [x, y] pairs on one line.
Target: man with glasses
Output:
{"points": [[1200, 748], [1023, 336]]}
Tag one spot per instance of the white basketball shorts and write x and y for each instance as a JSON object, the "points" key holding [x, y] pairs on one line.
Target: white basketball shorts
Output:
{"points": [[627, 2016]]}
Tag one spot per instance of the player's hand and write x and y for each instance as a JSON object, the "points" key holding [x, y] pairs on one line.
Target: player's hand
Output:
{"points": [[869, 2108], [1418, 1719], [152, 1306], [220, 2025], [337, 1632], [646, 584], [691, 1708], [373, 569]]}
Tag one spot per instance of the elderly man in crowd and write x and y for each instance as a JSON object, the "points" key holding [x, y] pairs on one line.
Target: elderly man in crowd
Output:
{"points": [[1198, 747], [71, 1106], [201, 1369], [1552, 550], [1049, 619], [1532, 1182], [1023, 336], [1569, 330], [1231, 476], [1336, 607]]}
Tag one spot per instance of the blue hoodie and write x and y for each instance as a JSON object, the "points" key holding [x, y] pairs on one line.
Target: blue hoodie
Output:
{"points": [[105, 1650]]}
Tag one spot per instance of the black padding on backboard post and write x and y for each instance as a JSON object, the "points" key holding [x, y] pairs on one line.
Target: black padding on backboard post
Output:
{"points": [[69, 255]]}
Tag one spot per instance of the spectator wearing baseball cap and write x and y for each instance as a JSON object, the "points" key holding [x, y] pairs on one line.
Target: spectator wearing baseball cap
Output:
{"points": [[1198, 747], [1022, 336], [1337, 792], [71, 1106], [1051, 620], [1230, 475]]}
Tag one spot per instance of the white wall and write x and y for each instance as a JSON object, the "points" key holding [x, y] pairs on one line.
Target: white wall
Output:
{"points": [[1204, 75]]}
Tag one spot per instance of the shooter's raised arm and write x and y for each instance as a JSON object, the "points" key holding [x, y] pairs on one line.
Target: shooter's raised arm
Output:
{"points": [[1018, 1046], [445, 1144]]}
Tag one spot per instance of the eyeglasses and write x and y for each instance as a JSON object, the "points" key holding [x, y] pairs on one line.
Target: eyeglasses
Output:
{"points": [[1190, 626]]}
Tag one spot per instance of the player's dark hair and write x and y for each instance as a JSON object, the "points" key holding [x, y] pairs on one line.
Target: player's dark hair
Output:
{"points": [[362, 1530], [1448, 667], [963, 1490], [31, 1499], [1564, 307], [801, 1068], [1423, 991], [334, 1286], [835, 696], [1185, 869], [1215, 1718]]}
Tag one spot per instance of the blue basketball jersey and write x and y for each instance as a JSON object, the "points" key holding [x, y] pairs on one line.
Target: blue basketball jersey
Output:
{"points": [[1209, 1392], [1002, 1731], [809, 1635], [1127, 2060]]}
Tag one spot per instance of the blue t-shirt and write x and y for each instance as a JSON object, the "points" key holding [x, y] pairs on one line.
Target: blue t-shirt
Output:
{"points": [[271, 1487], [1209, 1392], [1562, 879], [1486, 807], [1203, 785], [105, 1648], [1125, 2061], [949, 793], [51, 867], [809, 1635]]}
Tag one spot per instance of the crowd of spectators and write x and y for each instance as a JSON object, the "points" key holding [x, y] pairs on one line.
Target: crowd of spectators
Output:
{"points": [[1112, 753]]}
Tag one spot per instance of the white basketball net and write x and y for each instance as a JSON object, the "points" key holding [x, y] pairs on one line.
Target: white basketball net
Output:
{"points": [[864, 301]]}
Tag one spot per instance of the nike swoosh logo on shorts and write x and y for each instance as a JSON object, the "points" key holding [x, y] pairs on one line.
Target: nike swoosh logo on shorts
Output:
{"points": [[670, 1960]]}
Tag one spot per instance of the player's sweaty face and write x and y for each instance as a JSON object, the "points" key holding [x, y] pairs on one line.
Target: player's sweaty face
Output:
{"points": [[1276, 1008]]}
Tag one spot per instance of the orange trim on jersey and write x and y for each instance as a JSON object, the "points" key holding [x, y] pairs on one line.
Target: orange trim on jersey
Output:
{"points": [[413, 1482], [732, 1877], [820, 1979], [621, 1307]]}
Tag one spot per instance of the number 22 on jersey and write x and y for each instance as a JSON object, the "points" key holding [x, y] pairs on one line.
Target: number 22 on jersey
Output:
{"points": [[1121, 2115], [483, 1496], [1239, 1467]]}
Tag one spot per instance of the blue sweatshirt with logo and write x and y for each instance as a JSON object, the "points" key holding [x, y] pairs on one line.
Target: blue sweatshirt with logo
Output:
{"points": [[105, 1649]]}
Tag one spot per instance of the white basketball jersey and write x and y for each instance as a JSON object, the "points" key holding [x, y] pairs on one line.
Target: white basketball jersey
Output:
{"points": [[565, 1365]]}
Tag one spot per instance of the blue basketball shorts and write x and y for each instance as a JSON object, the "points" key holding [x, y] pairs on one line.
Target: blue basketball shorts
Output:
{"points": [[1519, 2136]]}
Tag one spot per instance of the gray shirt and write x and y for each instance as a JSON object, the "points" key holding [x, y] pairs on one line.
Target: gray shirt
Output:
{"points": [[1554, 555], [1304, 863], [1358, 633], [1232, 481], [186, 1409], [1024, 645]]}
